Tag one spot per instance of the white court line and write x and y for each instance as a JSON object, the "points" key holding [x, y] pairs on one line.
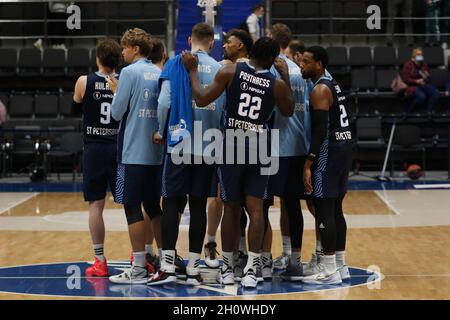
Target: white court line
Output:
{"points": [[432, 186], [383, 197], [34, 194]]}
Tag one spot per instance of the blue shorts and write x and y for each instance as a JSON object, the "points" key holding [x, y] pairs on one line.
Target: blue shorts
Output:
{"points": [[138, 183], [99, 170], [197, 180], [289, 178], [240, 180], [330, 172]]}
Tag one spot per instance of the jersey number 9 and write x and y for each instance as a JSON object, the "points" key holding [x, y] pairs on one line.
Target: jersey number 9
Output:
{"points": [[105, 113]]}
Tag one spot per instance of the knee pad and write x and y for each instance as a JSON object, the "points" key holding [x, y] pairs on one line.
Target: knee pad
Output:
{"points": [[133, 214], [152, 208]]}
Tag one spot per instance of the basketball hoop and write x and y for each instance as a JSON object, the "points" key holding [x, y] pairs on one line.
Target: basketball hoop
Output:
{"points": [[209, 12]]}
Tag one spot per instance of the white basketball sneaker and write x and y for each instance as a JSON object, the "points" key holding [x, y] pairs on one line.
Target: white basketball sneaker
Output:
{"points": [[226, 276], [281, 262], [311, 268], [249, 280], [134, 275], [322, 277], [345, 273]]}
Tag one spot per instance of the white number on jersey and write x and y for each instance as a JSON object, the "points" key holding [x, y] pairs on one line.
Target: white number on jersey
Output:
{"points": [[255, 106], [344, 120], [105, 111]]}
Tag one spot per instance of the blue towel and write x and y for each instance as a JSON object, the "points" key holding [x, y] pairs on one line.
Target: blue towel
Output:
{"points": [[180, 118]]}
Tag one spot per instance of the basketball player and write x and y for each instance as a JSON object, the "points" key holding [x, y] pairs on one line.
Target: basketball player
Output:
{"points": [[139, 159], [287, 184], [237, 47], [193, 177], [252, 92], [327, 166], [92, 97]]}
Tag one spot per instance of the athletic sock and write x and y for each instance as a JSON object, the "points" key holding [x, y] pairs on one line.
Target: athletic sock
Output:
{"points": [[149, 249], [139, 259], [243, 244], [227, 260], [296, 258], [319, 247], [287, 245], [329, 262], [168, 261], [340, 258], [194, 261], [211, 238], [98, 251], [252, 262]]}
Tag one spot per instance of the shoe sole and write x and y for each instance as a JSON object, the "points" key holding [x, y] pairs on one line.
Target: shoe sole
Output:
{"points": [[248, 287], [140, 281], [169, 279], [212, 267], [192, 282], [292, 278]]}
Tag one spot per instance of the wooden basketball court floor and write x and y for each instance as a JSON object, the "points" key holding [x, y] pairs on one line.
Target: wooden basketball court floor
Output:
{"points": [[404, 234]]}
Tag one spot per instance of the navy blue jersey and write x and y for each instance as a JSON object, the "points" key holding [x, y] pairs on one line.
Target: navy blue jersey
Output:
{"points": [[250, 99], [98, 124], [339, 133]]}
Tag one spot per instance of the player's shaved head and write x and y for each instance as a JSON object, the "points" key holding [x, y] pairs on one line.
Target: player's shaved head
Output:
{"points": [[202, 33]]}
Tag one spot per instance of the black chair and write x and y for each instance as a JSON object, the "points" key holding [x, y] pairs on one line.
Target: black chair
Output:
{"points": [[360, 57], [407, 139], [404, 54], [434, 56], [69, 145], [25, 140], [8, 62], [30, 61], [93, 62], [106, 9], [155, 10], [20, 106], [65, 105], [130, 10], [46, 106], [331, 9], [308, 9], [11, 11], [54, 62], [384, 57], [363, 79], [368, 133], [283, 10], [77, 62], [337, 57], [439, 78]]}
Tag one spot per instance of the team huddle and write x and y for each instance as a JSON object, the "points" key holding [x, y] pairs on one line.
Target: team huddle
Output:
{"points": [[225, 138]]}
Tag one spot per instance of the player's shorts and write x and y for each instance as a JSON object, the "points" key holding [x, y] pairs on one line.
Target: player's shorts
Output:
{"points": [[99, 170], [137, 183], [197, 180], [240, 180], [289, 178], [330, 172]]}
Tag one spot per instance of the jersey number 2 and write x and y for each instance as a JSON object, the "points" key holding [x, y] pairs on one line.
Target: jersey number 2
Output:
{"points": [[105, 111], [255, 106], [344, 119]]}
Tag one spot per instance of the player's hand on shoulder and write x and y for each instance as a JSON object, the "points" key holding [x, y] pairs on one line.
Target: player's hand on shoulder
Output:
{"points": [[190, 61], [281, 66], [113, 82]]}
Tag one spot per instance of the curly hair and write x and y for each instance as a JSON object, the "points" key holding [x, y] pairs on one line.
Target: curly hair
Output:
{"points": [[137, 37]]}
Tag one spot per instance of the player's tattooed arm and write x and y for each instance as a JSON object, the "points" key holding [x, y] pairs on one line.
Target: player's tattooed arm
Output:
{"points": [[321, 100], [204, 96]]}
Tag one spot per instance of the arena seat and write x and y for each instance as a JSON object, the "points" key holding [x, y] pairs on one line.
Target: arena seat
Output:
{"points": [[331, 9], [77, 62], [153, 9], [54, 62], [30, 61], [404, 54], [384, 57], [434, 56], [46, 105], [360, 57], [65, 105], [438, 78], [364, 80], [131, 10], [307, 9], [20, 105], [8, 62], [355, 9], [384, 79], [285, 9]]}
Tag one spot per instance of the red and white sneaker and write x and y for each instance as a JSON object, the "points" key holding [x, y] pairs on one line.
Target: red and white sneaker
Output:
{"points": [[98, 269], [151, 267]]}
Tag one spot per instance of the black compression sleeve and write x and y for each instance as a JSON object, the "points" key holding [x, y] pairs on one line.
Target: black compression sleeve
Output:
{"points": [[77, 108], [319, 128]]}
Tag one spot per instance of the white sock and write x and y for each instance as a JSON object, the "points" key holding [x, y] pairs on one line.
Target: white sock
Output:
{"points": [[139, 259], [211, 238], [296, 258], [329, 262], [340, 258], [98, 251], [149, 249], [168, 261], [194, 260], [265, 258], [287, 245], [243, 245], [319, 247], [253, 261], [227, 259]]}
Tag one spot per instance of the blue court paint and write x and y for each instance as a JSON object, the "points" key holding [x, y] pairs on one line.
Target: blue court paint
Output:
{"points": [[67, 279]]}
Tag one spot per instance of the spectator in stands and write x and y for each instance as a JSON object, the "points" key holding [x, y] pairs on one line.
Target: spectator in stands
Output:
{"points": [[415, 73], [295, 51], [432, 24], [158, 55], [395, 7], [254, 22]]}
